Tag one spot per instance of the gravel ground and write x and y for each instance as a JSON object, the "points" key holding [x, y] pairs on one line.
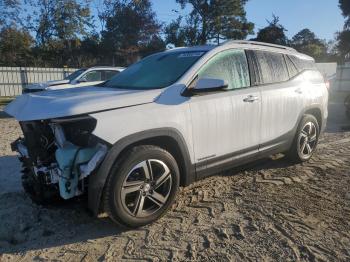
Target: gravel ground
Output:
{"points": [[270, 210]]}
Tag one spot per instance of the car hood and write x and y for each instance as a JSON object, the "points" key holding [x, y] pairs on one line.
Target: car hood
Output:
{"points": [[44, 85], [77, 101]]}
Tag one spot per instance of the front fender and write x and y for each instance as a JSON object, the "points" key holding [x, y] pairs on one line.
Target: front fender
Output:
{"points": [[97, 181]]}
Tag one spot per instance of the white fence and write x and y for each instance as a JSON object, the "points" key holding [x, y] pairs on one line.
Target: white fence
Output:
{"points": [[13, 79], [327, 69], [343, 79]]}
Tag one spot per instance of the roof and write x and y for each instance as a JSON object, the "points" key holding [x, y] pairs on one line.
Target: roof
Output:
{"points": [[106, 67], [245, 44]]}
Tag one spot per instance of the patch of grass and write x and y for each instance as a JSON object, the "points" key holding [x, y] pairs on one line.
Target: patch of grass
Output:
{"points": [[4, 100]]}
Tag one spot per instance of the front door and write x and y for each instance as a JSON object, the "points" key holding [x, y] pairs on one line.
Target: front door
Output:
{"points": [[225, 123]]}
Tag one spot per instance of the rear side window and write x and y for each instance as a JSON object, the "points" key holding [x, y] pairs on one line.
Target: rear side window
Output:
{"points": [[271, 67], [229, 65], [108, 74], [292, 69], [302, 64]]}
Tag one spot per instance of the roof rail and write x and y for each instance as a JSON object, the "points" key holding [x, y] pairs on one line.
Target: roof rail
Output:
{"points": [[259, 44]]}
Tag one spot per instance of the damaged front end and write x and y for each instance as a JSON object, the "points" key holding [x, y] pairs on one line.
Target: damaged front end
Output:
{"points": [[58, 156]]}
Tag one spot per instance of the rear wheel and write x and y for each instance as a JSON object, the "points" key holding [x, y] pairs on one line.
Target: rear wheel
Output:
{"points": [[306, 139], [142, 186]]}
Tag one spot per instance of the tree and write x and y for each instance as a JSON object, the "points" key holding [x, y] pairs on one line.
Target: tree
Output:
{"points": [[58, 26], [306, 42], [8, 12], [344, 36], [59, 19], [274, 33], [179, 34], [218, 20], [130, 29], [15, 47], [344, 44], [175, 34], [345, 7]]}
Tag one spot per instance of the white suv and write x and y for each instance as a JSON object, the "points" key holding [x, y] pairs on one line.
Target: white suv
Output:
{"points": [[167, 121]]}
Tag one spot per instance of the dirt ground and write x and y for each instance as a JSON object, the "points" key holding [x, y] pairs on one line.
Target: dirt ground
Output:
{"points": [[268, 211]]}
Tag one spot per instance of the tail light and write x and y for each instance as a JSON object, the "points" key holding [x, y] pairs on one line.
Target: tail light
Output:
{"points": [[328, 84]]}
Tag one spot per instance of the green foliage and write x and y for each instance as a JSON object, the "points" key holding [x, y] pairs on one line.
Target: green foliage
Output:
{"points": [[131, 28], [15, 47], [344, 44], [274, 33], [8, 12], [345, 7], [180, 34], [175, 34], [306, 42], [59, 19], [215, 20], [344, 36]]}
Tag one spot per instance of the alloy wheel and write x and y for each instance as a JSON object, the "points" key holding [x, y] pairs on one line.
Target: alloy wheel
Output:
{"points": [[146, 188], [307, 140]]}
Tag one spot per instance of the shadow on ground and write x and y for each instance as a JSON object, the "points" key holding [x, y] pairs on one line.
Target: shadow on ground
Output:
{"points": [[37, 227], [2, 113]]}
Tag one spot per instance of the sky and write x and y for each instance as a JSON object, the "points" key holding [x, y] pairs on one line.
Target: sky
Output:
{"points": [[321, 16]]}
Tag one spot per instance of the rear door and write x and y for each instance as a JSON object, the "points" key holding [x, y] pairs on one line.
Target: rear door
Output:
{"points": [[225, 123], [108, 74], [281, 98]]}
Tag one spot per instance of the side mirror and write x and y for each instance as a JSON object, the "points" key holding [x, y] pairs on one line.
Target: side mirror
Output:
{"points": [[205, 85]]}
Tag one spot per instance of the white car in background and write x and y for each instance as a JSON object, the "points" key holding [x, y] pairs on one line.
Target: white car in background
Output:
{"points": [[79, 78]]}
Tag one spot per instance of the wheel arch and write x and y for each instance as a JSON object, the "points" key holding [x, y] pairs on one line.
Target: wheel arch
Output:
{"points": [[317, 113], [169, 139]]}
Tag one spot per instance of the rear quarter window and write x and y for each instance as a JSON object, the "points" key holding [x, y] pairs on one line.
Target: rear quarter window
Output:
{"points": [[302, 64], [292, 69]]}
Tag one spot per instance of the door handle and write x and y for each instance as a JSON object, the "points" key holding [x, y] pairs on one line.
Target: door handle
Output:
{"points": [[251, 99]]}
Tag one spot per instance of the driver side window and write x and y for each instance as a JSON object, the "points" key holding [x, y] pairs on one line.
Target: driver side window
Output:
{"points": [[229, 65]]}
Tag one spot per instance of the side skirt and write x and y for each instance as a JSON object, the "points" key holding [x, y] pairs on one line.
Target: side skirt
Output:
{"points": [[222, 163]]}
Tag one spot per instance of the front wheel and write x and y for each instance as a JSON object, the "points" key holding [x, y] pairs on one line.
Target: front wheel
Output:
{"points": [[142, 186], [306, 139]]}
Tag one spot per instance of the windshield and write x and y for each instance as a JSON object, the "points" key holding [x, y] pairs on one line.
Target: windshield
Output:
{"points": [[156, 71], [74, 75]]}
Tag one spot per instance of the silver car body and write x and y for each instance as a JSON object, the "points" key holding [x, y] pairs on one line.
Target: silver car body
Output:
{"points": [[214, 131]]}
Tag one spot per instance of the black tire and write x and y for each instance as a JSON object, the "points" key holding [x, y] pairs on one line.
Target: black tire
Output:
{"points": [[295, 153], [114, 202]]}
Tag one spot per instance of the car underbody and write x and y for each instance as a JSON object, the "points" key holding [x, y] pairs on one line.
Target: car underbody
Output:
{"points": [[57, 157]]}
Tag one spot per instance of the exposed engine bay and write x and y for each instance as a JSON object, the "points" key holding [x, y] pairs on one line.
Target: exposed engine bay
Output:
{"points": [[58, 156]]}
